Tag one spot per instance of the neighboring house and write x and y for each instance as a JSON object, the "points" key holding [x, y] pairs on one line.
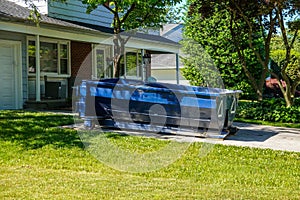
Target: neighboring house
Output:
{"points": [[39, 63], [163, 66]]}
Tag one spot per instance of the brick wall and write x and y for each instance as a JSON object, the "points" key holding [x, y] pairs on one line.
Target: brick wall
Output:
{"points": [[81, 63], [81, 59]]}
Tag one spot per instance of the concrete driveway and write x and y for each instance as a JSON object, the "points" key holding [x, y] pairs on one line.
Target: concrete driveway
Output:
{"points": [[260, 136], [250, 135]]}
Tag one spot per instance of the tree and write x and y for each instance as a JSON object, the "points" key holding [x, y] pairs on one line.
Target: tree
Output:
{"points": [[129, 15], [267, 16], [213, 34], [278, 55]]}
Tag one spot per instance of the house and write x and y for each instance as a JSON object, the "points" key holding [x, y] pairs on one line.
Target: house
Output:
{"points": [[39, 63], [164, 66]]}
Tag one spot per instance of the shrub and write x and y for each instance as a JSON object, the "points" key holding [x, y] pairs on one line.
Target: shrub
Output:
{"points": [[273, 110]]}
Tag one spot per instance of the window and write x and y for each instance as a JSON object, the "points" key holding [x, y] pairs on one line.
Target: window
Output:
{"points": [[130, 65], [48, 57], [54, 57], [133, 64], [100, 64], [103, 64], [64, 59], [31, 57]]}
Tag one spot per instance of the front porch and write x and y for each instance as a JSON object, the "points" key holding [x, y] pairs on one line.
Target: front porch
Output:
{"points": [[48, 104]]}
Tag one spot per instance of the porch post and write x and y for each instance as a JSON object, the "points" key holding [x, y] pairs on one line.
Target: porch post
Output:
{"points": [[177, 68], [38, 69], [143, 65]]}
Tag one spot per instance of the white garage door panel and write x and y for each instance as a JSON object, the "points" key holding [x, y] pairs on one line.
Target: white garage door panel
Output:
{"points": [[7, 77]]}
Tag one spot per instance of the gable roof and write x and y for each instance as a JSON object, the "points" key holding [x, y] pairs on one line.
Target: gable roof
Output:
{"points": [[10, 11], [172, 32], [151, 37]]}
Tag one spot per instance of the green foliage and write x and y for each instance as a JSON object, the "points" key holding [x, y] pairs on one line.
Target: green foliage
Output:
{"points": [[213, 35], [248, 91], [251, 25], [199, 67], [293, 68], [272, 110], [133, 14], [278, 55]]}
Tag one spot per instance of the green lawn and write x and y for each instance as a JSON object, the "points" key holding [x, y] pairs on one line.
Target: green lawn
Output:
{"points": [[40, 161]]}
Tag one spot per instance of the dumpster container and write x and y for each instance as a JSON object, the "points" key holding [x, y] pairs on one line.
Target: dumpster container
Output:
{"points": [[157, 107]]}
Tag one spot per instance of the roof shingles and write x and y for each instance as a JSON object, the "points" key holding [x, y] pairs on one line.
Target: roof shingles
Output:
{"points": [[16, 12]]}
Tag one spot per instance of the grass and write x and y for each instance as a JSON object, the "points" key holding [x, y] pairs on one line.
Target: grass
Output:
{"points": [[40, 161]]}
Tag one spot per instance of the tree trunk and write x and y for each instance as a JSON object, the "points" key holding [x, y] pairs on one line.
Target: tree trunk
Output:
{"points": [[288, 99], [116, 56], [259, 94], [119, 49], [116, 67]]}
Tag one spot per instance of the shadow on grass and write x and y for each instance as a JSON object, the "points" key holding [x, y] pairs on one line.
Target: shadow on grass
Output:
{"points": [[115, 135], [33, 130]]}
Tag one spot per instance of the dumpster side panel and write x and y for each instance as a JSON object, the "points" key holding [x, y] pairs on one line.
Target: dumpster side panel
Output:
{"points": [[151, 103]]}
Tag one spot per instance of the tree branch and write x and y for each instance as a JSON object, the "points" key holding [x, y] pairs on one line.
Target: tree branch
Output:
{"points": [[148, 13], [241, 54], [279, 82], [285, 40], [294, 38], [250, 41], [108, 8], [132, 7], [269, 37]]}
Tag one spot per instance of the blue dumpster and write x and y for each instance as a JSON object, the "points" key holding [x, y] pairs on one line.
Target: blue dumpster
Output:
{"points": [[158, 107]]}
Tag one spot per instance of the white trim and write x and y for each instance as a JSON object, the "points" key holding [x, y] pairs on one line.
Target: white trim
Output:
{"points": [[137, 52], [107, 54], [94, 60], [76, 35], [88, 36], [17, 49], [152, 45], [58, 42], [51, 75]]}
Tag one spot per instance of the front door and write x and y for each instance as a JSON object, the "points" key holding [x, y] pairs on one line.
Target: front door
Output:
{"points": [[9, 75]]}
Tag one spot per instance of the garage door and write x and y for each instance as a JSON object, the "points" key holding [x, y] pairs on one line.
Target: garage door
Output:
{"points": [[9, 93]]}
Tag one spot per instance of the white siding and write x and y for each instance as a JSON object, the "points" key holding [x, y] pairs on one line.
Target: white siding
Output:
{"points": [[168, 76], [74, 10]]}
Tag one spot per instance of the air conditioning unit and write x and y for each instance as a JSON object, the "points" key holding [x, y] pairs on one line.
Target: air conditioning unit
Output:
{"points": [[53, 90]]}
